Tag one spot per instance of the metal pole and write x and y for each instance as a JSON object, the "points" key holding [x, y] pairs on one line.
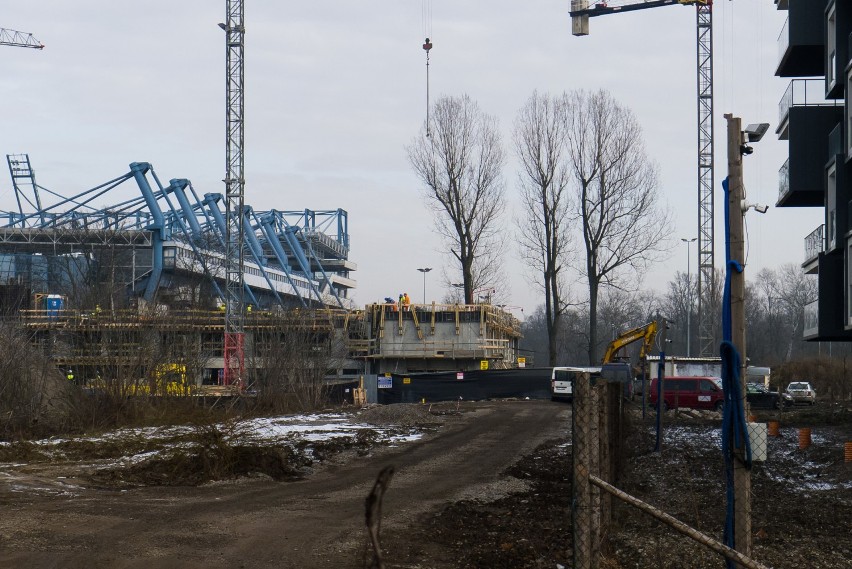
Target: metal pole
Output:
{"points": [[688, 297], [424, 271]]}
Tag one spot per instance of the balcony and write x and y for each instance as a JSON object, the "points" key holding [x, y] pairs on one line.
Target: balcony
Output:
{"points": [[802, 93], [814, 245], [801, 44], [809, 122], [824, 320]]}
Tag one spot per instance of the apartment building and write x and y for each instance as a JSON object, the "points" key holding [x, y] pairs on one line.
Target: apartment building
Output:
{"points": [[815, 120]]}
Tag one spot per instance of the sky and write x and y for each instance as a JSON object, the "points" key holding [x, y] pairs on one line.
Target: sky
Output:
{"points": [[336, 89]]}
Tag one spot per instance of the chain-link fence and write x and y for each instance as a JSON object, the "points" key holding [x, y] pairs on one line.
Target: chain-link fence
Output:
{"points": [[599, 450]]}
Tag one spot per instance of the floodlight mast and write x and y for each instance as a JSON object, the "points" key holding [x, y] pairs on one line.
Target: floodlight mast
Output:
{"points": [[234, 355], [581, 11]]}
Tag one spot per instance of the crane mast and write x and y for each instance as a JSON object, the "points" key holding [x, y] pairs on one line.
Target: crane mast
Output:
{"points": [[15, 38], [234, 354], [706, 232], [581, 11]]}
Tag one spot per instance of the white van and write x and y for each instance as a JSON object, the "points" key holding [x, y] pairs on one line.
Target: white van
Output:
{"points": [[562, 381], [758, 375]]}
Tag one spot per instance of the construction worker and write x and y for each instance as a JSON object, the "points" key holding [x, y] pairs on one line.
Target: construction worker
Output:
{"points": [[70, 375], [406, 301]]}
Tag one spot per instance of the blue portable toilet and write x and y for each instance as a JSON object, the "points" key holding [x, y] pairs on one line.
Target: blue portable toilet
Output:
{"points": [[54, 303]]}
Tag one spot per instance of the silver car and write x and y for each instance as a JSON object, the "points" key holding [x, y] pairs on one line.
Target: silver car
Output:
{"points": [[801, 392]]}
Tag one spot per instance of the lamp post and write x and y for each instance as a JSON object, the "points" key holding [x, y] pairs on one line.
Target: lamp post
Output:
{"points": [[688, 296], [424, 271]]}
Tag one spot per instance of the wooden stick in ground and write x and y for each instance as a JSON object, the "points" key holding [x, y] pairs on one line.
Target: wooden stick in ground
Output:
{"points": [[373, 507], [678, 525]]}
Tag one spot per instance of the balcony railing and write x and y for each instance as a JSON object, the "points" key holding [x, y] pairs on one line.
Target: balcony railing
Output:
{"points": [[815, 243], [784, 180], [811, 327], [804, 93], [784, 39], [835, 142]]}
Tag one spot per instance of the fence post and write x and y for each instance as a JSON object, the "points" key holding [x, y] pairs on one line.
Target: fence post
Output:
{"points": [[580, 483], [595, 470]]}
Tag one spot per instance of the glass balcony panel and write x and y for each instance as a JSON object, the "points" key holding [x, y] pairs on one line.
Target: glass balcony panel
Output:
{"points": [[784, 180], [815, 243], [804, 93], [811, 320], [784, 39]]}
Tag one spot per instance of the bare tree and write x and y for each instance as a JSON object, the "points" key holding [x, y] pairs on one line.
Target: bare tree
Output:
{"points": [[460, 159], [622, 218], [544, 182]]}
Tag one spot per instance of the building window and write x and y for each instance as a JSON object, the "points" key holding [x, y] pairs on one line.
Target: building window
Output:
{"points": [[169, 257], [849, 283], [831, 214], [831, 48], [848, 112]]}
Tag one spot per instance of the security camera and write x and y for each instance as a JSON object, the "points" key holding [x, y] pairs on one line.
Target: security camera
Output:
{"points": [[745, 149], [759, 208], [754, 132]]}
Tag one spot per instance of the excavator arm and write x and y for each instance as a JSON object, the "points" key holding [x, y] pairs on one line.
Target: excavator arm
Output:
{"points": [[647, 333]]}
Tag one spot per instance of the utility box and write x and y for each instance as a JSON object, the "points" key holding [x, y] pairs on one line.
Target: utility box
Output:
{"points": [[757, 440]]}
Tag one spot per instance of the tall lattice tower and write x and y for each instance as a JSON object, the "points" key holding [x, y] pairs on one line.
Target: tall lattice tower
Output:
{"points": [[706, 257], [234, 355]]}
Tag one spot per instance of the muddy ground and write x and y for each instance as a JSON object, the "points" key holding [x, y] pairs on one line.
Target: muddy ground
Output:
{"points": [[487, 486]]}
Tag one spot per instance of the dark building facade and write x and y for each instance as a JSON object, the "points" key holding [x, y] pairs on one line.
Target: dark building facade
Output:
{"points": [[815, 119]]}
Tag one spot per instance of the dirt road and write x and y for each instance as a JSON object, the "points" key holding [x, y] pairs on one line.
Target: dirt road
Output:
{"points": [[316, 522]]}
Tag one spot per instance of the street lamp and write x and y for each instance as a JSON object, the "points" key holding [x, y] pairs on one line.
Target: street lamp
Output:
{"points": [[688, 296], [424, 271]]}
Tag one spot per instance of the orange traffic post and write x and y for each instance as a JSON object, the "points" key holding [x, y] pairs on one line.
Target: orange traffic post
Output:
{"points": [[773, 429], [804, 438]]}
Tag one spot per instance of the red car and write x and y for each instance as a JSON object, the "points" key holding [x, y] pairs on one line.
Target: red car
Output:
{"points": [[692, 392]]}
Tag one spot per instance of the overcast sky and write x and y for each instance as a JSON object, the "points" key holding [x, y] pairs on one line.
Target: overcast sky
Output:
{"points": [[335, 90]]}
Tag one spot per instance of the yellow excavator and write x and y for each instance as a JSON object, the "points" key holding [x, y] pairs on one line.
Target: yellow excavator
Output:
{"points": [[647, 333]]}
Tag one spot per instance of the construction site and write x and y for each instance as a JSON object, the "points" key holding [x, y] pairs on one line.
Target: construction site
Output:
{"points": [[93, 285], [164, 286]]}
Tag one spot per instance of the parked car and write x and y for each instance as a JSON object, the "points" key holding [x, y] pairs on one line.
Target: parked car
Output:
{"points": [[561, 384], [759, 397], [801, 392], [693, 392], [562, 381]]}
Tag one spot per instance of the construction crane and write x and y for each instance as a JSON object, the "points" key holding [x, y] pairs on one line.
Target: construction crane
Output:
{"points": [[15, 38], [234, 349], [581, 11]]}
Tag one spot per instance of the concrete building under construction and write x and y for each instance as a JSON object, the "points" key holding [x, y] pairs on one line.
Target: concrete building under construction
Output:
{"points": [[136, 287]]}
